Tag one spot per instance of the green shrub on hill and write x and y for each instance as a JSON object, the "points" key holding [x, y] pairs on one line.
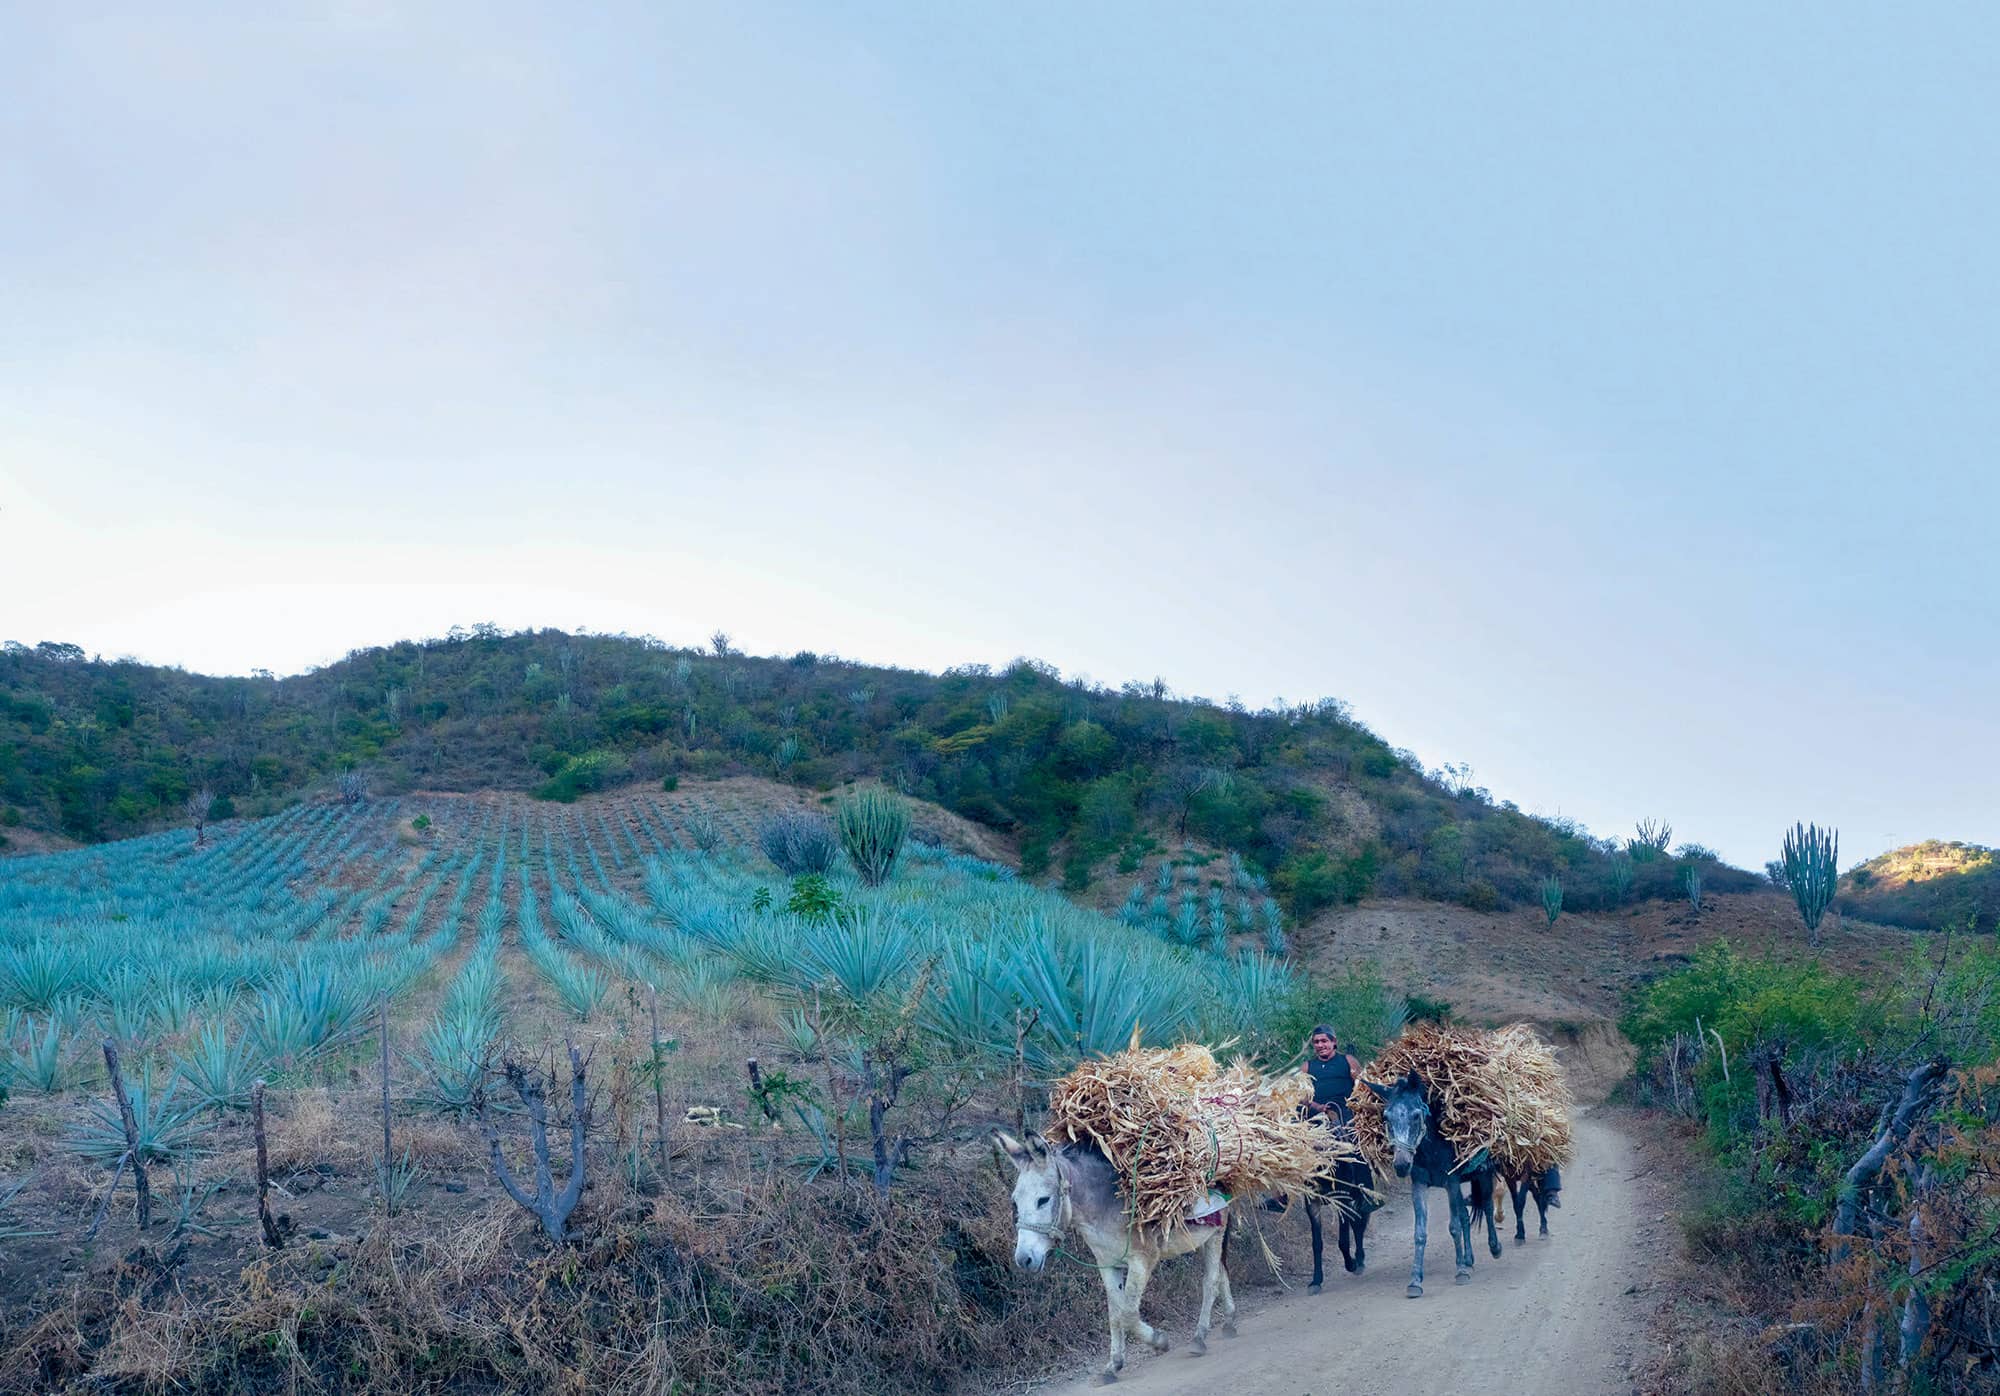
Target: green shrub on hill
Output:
{"points": [[579, 775], [1795, 1069]]}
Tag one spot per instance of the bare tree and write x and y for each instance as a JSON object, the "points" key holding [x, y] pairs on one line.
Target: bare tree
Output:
{"points": [[198, 805], [550, 1207], [721, 645], [1186, 784], [353, 788]]}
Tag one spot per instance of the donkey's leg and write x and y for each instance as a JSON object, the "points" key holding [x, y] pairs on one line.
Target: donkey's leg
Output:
{"points": [[1461, 1230], [1228, 1294], [1139, 1270], [1114, 1300], [1319, 1245], [1542, 1207], [1211, 1270], [1488, 1192], [1422, 1211], [1519, 1193], [1358, 1226]]}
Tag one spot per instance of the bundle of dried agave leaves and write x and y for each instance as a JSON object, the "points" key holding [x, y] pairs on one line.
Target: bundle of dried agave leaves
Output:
{"points": [[1497, 1089], [1176, 1126]]}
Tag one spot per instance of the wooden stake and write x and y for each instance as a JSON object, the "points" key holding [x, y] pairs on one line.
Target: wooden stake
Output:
{"points": [[659, 1081], [832, 1092], [388, 1151], [1021, 1031], [757, 1090], [131, 1134], [272, 1237]]}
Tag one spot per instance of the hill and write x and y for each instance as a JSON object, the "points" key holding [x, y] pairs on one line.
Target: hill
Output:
{"points": [[1926, 885], [1088, 779]]}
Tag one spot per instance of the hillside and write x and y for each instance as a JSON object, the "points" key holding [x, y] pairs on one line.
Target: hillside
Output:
{"points": [[1089, 780], [1927, 885]]}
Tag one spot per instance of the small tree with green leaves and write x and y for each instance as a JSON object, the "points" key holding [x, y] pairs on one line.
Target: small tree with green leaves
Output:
{"points": [[1552, 897], [873, 826], [1812, 871]]}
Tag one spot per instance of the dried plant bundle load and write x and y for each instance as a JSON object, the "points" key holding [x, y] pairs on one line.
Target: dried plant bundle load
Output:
{"points": [[1176, 1126], [1499, 1090]]}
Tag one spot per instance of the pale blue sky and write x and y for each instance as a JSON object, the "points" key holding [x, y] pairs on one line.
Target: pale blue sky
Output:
{"points": [[1605, 398]]}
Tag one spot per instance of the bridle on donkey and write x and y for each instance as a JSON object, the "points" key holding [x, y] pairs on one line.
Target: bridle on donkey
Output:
{"points": [[1065, 1214]]}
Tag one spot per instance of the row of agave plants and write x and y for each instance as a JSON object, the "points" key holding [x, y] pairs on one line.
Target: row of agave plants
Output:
{"points": [[252, 958], [293, 926]]}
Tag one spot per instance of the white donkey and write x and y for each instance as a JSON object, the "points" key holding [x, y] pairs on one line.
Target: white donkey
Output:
{"points": [[1055, 1187]]}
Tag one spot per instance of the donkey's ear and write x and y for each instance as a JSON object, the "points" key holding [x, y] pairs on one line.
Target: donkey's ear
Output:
{"points": [[1013, 1148], [1038, 1146], [1382, 1091]]}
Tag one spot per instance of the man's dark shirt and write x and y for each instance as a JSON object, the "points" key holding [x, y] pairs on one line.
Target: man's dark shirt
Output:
{"points": [[1333, 1083]]}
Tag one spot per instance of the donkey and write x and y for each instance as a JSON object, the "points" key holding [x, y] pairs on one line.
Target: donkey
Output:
{"points": [[1428, 1162], [1353, 1196], [1545, 1187], [1055, 1188]]}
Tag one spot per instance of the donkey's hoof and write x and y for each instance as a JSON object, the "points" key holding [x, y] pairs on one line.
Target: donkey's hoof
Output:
{"points": [[1494, 1247], [1158, 1342], [1199, 1347], [1313, 1288], [1229, 1328], [1106, 1377], [1416, 1291], [1464, 1277]]}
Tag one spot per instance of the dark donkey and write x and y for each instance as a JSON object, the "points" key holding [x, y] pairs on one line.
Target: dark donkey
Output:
{"points": [[1428, 1162], [1545, 1187], [1353, 1196]]}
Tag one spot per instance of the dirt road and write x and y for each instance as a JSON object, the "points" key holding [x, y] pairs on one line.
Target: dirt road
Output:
{"points": [[1557, 1317]]}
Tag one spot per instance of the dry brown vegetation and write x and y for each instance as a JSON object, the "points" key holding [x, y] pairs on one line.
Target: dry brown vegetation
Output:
{"points": [[731, 1270]]}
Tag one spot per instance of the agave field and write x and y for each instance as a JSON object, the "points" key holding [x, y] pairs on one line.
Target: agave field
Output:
{"points": [[467, 930]]}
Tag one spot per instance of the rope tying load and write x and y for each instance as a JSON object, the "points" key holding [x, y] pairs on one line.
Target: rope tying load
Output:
{"points": [[1495, 1089], [1175, 1126]]}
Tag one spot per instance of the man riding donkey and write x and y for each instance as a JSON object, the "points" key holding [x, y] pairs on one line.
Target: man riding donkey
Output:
{"points": [[1334, 1074]]}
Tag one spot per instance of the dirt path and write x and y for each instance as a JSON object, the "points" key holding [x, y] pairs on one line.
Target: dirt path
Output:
{"points": [[1558, 1317]]}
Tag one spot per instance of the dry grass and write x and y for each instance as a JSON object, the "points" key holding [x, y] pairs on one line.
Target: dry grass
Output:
{"points": [[309, 1134], [754, 1284]]}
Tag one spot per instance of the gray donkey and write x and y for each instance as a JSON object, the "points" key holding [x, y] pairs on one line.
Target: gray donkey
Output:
{"points": [[1075, 1185], [1429, 1162]]}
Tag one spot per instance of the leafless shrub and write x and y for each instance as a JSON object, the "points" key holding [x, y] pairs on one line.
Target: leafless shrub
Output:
{"points": [[549, 1206]]}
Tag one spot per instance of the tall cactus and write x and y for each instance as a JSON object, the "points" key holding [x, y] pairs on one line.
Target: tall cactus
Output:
{"points": [[1552, 897], [1812, 871], [873, 826]]}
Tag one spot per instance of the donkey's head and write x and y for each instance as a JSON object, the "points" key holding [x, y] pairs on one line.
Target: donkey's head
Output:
{"points": [[1406, 1118], [1041, 1198]]}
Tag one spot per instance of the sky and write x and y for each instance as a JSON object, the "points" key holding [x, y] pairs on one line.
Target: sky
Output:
{"points": [[1602, 396]]}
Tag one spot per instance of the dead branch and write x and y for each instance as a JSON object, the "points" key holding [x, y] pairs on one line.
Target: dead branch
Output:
{"points": [[131, 1134], [550, 1207], [1920, 1092], [272, 1236]]}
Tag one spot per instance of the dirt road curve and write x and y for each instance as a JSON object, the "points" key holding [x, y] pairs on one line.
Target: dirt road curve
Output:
{"points": [[1553, 1317]]}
